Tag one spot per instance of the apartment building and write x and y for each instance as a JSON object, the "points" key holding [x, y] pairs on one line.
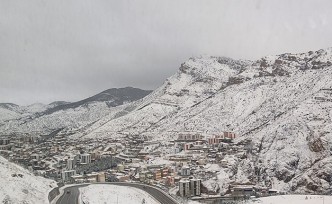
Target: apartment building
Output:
{"points": [[184, 188], [85, 158]]}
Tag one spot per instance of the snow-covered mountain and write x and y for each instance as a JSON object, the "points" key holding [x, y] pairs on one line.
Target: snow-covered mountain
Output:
{"points": [[280, 106], [18, 185], [43, 119], [10, 111]]}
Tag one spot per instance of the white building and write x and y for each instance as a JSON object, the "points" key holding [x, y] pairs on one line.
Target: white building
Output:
{"points": [[185, 171], [195, 187], [4, 141], [71, 163], [66, 175], [85, 158], [184, 188]]}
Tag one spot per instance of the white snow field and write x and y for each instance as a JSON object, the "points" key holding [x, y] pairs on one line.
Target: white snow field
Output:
{"points": [[111, 194], [18, 185], [294, 199]]}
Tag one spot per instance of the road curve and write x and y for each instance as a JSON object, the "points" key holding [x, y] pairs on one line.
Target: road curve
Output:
{"points": [[71, 194]]}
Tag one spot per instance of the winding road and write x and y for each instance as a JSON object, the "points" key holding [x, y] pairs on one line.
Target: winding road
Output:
{"points": [[71, 194]]}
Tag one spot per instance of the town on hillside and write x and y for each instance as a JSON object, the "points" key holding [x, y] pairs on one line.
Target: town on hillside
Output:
{"points": [[182, 167]]}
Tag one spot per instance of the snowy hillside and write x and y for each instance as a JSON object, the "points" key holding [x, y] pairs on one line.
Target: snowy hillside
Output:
{"points": [[279, 106], [18, 185], [44, 119], [10, 111]]}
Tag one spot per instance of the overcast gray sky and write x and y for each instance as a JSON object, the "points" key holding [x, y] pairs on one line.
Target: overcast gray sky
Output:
{"points": [[71, 49]]}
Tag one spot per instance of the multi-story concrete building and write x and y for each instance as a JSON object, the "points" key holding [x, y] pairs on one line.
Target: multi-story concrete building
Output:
{"points": [[85, 158], [156, 174], [195, 187], [184, 187], [190, 137], [4, 141], [229, 135], [185, 171], [216, 139], [71, 163], [66, 175], [164, 172], [169, 180]]}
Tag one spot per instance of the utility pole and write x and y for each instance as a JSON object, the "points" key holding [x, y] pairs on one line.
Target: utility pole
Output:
{"points": [[323, 199]]}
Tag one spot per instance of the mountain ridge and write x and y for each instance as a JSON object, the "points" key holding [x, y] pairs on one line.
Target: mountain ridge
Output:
{"points": [[20, 115], [113, 97]]}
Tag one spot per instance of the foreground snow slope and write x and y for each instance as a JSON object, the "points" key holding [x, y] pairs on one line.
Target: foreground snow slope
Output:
{"points": [[108, 194], [293, 199], [18, 185]]}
